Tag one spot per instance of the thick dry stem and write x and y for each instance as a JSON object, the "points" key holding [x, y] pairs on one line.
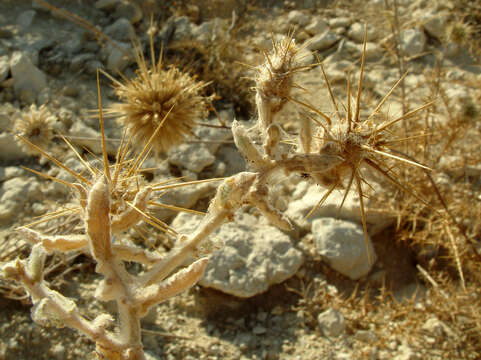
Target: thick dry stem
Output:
{"points": [[187, 247], [39, 291]]}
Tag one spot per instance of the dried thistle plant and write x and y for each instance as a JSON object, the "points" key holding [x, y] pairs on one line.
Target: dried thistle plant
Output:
{"points": [[35, 125], [114, 199], [333, 152], [110, 200], [154, 92], [363, 145], [459, 32]]}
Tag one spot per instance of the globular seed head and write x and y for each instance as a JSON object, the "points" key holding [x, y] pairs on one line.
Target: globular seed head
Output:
{"points": [[274, 78], [36, 126], [155, 94], [459, 32]]}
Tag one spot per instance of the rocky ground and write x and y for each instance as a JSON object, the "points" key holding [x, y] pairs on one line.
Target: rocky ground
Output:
{"points": [[267, 294]]}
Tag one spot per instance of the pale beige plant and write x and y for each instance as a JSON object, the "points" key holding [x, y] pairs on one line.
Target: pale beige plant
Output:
{"points": [[36, 125], [110, 201], [149, 96], [333, 152]]}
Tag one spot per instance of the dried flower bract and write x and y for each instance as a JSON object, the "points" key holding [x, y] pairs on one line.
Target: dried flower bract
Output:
{"points": [[36, 126], [147, 98]]}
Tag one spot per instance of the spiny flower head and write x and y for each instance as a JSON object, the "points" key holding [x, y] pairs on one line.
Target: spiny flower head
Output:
{"points": [[151, 95], [360, 143], [36, 126], [459, 32], [274, 78]]}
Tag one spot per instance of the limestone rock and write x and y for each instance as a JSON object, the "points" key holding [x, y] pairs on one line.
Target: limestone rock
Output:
{"points": [[323, 41], [8, 112], [413, 42], [435, 24], [129, 10], [373, 50], [339, 22], [356, 33], [25, 19], [193, 157], [15, 193], [343, 246], [254, 256], [436, 327], [9, 148], [298, 17], [83, 135], [27, 78], [185, 197], [331, 322], [119, 57], [317, 26], [121, 30], [212, 137], [10, 172], [351, 211], [405, 352], [183, 28]]}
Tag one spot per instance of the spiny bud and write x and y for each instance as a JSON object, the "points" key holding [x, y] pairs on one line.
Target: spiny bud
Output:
{"points": [[98, 221], [36, 262], [274, 78]]}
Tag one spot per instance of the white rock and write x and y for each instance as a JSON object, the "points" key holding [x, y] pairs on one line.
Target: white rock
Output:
{"points": [[10, 172], [305, 57], [343, 246], [413, 41], [254, 256], [183, 28], [406, 353], [8, 112], [338, 22], [185, 197], [9, 148], [26, 76], [212, 137], [298, 209], [356, 33], [366, 336], [4, 67], [121, 30], [57, 351], [83, 135], [323, 41], [193, 157], [331, 322], [373, 50], [118, 60], [129, 10], [317, 26], [25, 19], [207, 30], [298, 17], [233, 160], [435, 24], [15, 193], [437, 328]]}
